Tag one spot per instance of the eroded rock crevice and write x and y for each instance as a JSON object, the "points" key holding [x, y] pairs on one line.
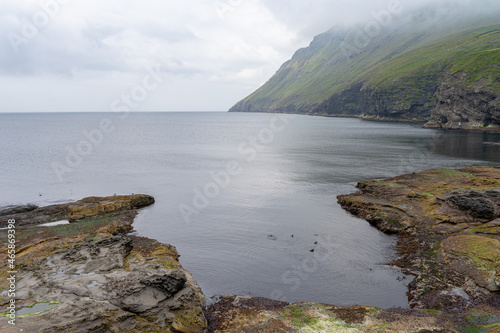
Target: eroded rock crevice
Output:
{"points": [[104, 279]]}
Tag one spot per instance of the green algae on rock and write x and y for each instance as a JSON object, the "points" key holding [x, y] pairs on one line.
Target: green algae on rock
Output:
{"points": [[254, 314], [104, 279], [447, 222]]}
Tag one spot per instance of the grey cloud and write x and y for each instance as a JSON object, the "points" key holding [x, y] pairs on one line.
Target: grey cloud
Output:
{"points": [[311, 16], [170, 36], [176, 67], [98, 42], [61, 47], [59, 54]]}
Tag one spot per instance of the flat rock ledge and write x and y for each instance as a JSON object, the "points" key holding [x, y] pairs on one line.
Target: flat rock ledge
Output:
{"points": [[97, 277]]}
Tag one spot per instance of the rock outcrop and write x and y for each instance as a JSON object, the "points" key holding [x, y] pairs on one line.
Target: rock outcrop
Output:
{"points": [[252, 314], [87, 207], [98, 277], [448, 222], [466, 105]]}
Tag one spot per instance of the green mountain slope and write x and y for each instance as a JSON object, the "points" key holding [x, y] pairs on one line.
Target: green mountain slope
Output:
{"points": [[395, 76]]}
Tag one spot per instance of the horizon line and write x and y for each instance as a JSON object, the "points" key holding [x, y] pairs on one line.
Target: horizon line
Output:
{"points": [[51, 112]]}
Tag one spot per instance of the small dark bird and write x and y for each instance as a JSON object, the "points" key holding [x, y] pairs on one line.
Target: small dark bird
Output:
{"points": [[315, 243], [312, 250], [291, 236]]}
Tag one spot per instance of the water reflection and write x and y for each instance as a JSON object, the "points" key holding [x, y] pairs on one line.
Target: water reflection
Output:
{"points": [[290, 188], [469, 145]]}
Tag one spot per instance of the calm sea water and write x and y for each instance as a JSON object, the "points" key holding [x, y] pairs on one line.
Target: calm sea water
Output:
{"points": [[234, 233]]}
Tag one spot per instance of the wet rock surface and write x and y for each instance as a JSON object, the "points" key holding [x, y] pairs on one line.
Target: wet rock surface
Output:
{"points": [[103, 279], [12, 210], [448, 228], [247, 314], [87, 207]]}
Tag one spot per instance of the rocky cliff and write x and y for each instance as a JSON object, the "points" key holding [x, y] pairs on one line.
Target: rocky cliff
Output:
{"points": [[465, 103], [408, 71], [93, 276]]}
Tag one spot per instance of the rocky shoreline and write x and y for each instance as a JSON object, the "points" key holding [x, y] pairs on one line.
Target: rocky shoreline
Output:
{"points": [[98, 277], [448, 223], [101, 278]]}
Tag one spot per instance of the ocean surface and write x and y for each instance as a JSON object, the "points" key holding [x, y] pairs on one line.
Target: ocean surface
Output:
{"points": [[231, 189]]}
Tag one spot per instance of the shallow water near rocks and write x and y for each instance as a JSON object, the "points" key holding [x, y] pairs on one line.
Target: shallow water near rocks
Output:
{"points": [[38, 307], [53, 224], [287, 186]]}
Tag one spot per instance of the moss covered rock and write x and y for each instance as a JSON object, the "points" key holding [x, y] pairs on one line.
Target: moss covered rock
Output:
{"points": [[103, 279], [475, 256]]}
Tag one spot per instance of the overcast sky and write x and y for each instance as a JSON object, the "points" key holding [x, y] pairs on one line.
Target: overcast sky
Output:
{"points": [[204, 55]]}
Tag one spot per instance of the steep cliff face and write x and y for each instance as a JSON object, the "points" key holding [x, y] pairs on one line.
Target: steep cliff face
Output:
{"points": [[303, 81], [396, 102], [403, 73], [468, 97]]}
